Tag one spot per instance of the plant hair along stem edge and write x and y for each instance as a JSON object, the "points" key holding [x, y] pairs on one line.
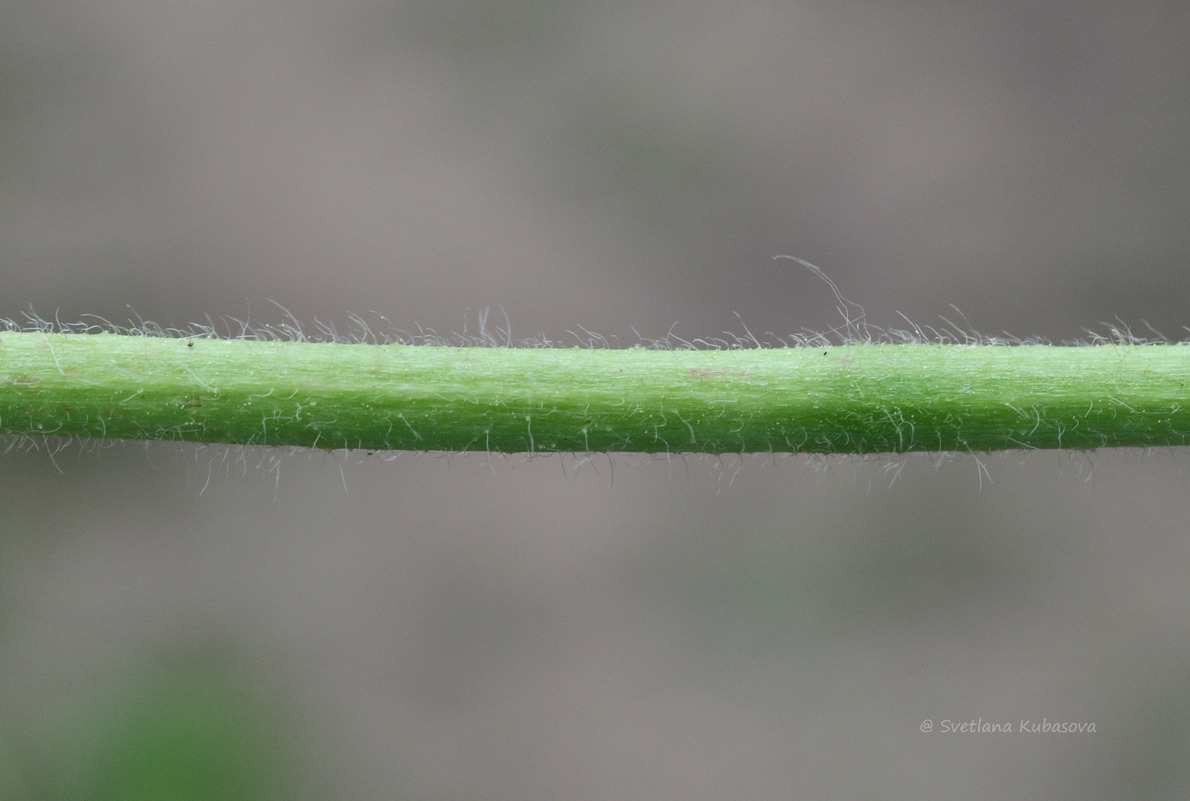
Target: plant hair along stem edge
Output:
{"points": [[815, 397]]}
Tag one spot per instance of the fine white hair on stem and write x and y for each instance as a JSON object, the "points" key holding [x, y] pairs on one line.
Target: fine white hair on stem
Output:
{"points": [[853, 329], [377, 329]]}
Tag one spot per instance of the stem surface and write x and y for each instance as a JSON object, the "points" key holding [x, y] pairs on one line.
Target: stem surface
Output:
{"points": [[866, 398]]}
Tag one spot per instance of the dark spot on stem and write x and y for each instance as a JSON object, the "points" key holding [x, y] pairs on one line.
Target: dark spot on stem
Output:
{"points": [[698, 372]]}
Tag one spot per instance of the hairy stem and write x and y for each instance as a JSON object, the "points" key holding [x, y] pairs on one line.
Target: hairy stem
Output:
{"points": [[867, 398]]}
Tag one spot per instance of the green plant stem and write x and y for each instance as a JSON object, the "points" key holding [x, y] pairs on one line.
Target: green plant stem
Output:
{"points": [[867, 398]]}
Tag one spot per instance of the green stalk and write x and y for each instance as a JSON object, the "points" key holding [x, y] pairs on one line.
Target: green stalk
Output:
{"points": [[865, 398]]}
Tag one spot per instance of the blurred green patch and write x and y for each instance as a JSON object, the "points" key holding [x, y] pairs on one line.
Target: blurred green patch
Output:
{"points": [[199, 728]]}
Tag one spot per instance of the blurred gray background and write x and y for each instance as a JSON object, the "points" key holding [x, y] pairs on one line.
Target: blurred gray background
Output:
{"points": [[213, 622]]}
